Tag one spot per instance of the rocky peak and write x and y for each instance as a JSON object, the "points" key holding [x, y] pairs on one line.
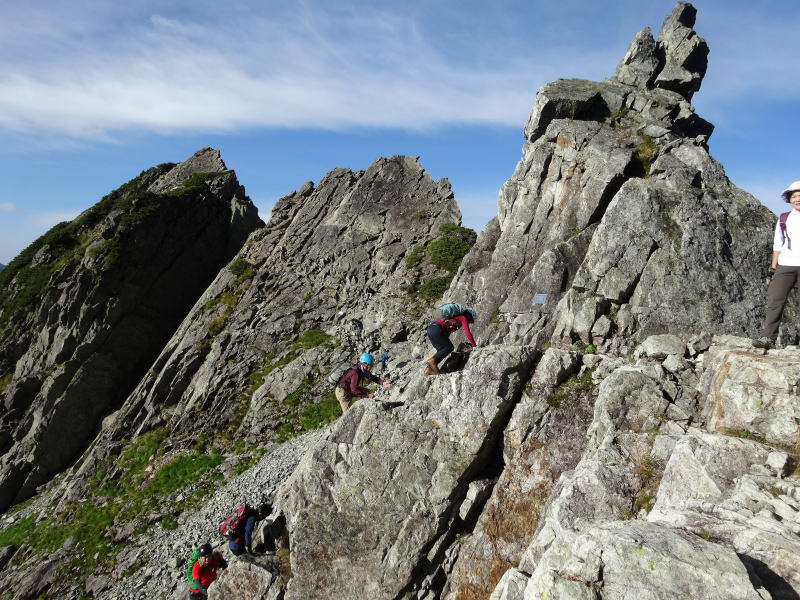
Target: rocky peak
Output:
{"points": [[91, 303], [325, 280], [677, 61], [608, 228]]}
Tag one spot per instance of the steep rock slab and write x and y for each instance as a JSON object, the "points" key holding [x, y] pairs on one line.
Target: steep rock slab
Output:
{"points": [[323, 281], [733, 491], [371, 509], [92, 302], [753, 393], [616, 223], [544, 438], [640, 560]]}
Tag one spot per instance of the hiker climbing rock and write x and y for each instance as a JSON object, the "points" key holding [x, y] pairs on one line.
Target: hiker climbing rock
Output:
{"points": [[439, 331], [204, 571], [384, 358], [238, 527], [349, 384], [784, 268]]}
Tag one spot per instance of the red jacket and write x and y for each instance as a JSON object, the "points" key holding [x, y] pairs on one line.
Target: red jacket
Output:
{"points": [[352, 377], [207, 574], [451, 325]]}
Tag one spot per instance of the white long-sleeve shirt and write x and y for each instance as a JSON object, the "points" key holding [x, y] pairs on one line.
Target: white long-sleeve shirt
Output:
{"points": [[788, 258]]}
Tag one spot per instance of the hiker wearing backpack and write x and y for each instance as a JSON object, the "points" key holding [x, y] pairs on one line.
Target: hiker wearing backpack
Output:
{"points": [[349, 385], [785, 267], [238, 527], [203, 571], [440, 330]]}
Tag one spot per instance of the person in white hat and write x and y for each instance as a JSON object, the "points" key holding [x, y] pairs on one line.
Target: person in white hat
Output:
{"points": [[785, 268]]}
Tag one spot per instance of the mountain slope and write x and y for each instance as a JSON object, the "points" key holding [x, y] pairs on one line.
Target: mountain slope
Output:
{"points": [[91, 303]]}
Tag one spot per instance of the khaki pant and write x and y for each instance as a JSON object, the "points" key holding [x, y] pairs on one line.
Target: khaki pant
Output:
{"points": [[345, 399], [782, 283]]}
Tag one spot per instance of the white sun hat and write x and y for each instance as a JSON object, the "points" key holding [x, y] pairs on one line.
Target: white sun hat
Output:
{"points": [[793, 187]]}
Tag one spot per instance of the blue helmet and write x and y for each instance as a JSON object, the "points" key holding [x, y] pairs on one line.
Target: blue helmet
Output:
{"points": [[366, 358]]}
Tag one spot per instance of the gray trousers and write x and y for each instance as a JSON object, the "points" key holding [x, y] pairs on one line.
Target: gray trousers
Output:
{"points": [[782, 283]]}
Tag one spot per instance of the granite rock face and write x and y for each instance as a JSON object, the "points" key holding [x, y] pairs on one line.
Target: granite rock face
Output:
{"points": [[320, 284], [371, 510], [91, 303], [617, 223]]}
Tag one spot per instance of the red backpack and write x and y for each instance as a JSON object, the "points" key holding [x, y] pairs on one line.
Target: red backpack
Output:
{"points": [[229, 528]]}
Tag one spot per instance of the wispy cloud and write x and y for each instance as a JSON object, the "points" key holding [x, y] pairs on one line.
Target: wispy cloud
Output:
{"points": [[8, 207], [312, 67]]}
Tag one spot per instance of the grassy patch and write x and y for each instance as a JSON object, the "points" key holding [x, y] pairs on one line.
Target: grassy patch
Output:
{"points": [[749, 435], [494, 319], [708, 536], [313, 338], [241, 268], [570, 387], [5, 380], [645, 153], [415, 257], [320, 414]]}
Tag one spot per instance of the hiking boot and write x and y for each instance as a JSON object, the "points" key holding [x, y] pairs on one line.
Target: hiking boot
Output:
{"points": [[763, 342], [431, 368]]}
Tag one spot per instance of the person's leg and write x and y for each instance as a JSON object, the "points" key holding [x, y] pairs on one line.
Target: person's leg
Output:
{"points": [[341, 396], [248, 533], [777, 293], [442, 344], [235, 548]]}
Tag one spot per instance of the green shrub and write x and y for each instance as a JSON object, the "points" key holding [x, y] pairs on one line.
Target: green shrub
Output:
{"points": [[240, 267], [433, 288], [447, 251]]}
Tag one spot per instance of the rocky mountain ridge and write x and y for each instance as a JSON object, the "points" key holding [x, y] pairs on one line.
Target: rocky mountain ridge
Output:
{"points": [[89, 305], [606, 440]]}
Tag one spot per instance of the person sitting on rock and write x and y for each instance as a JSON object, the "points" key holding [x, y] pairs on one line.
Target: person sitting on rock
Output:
{"points": [[785, 267], [439, 335], [204, 571], [349, 385], [242, 540]]}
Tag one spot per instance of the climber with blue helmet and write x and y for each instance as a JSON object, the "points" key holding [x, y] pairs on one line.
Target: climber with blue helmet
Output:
{"points": [[349, 385], [439, 335]]}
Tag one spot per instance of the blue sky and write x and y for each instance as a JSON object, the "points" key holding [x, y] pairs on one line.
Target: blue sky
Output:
{"points": [[94, 92]]}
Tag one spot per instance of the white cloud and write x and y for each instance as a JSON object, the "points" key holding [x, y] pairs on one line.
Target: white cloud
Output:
{"points": [[8, 207], [311, 68]]}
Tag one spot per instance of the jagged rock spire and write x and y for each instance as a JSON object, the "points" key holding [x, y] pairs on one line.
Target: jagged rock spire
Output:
{"points": [[677, 61]]}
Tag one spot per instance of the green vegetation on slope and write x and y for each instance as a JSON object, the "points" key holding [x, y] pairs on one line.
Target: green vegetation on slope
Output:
{"points": [[445, 254], [139, 486]]}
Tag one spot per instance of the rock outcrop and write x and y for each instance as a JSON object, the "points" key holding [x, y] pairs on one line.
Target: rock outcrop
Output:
{"points": [[325, 280], [617, 223], [89, 305]]}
